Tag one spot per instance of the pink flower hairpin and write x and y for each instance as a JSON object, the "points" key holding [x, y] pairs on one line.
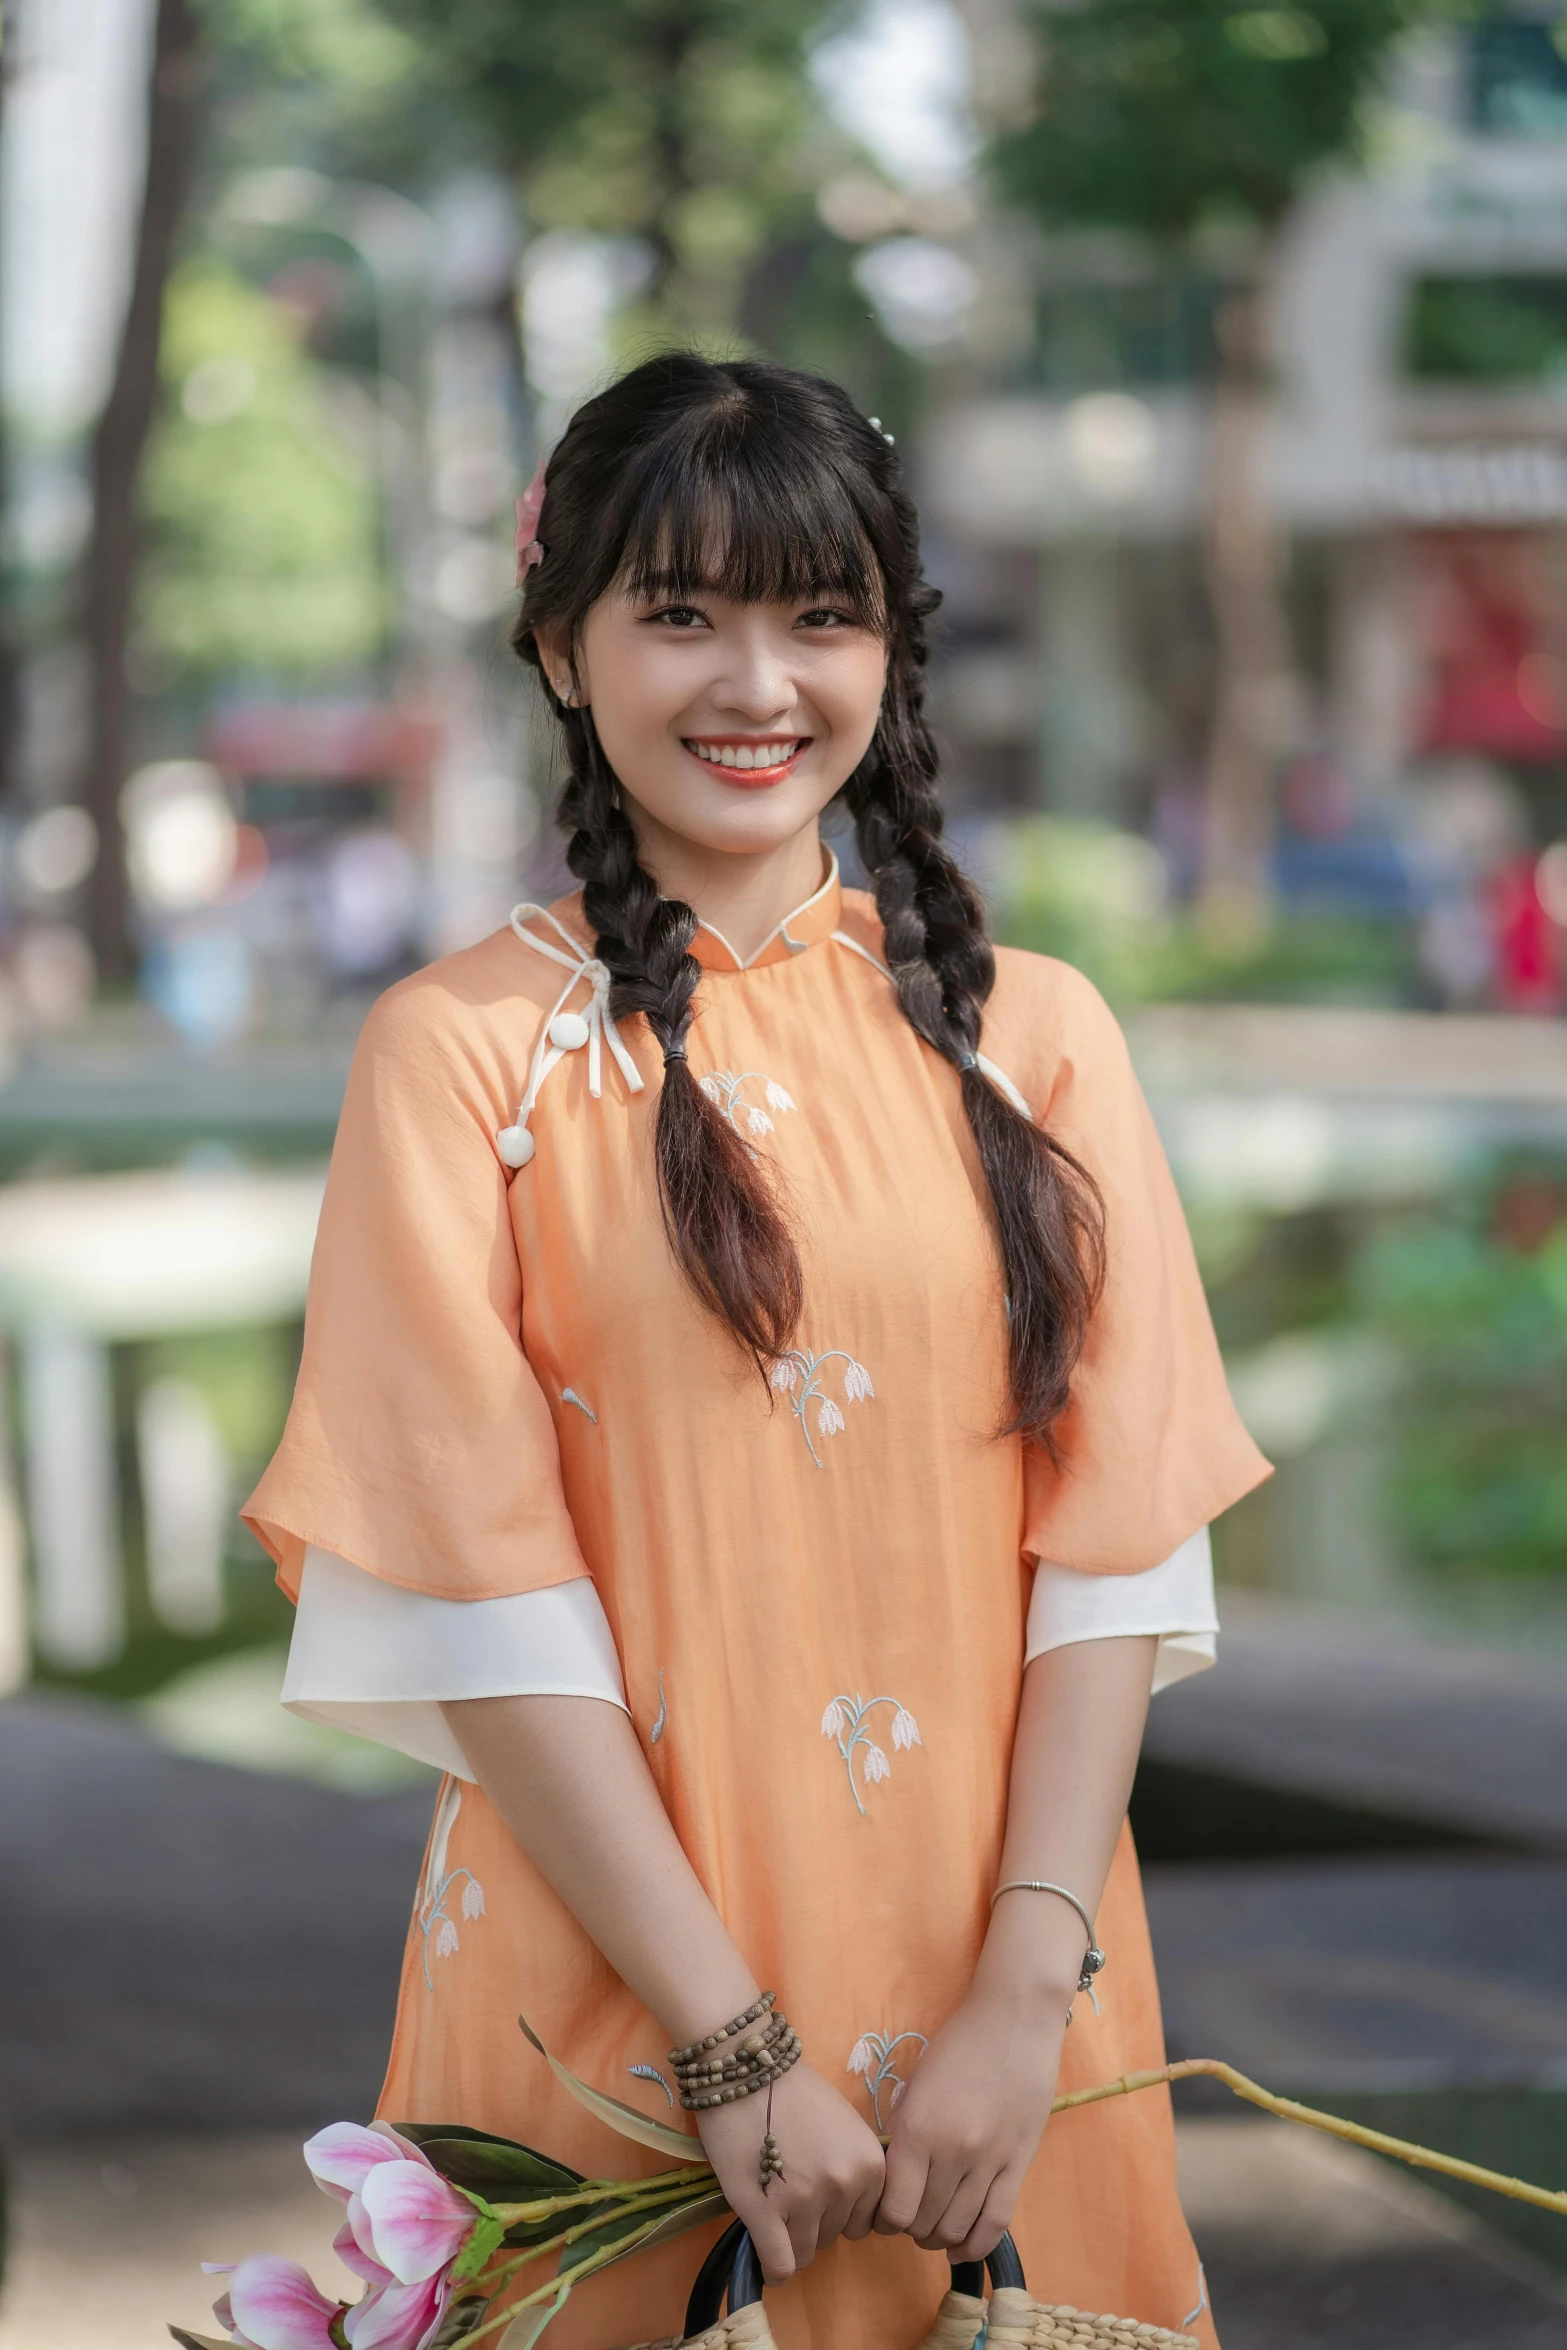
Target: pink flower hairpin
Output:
{"points": [[529, 507]]}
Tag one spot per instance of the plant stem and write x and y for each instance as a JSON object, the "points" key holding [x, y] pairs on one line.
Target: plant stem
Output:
{"points": [[596, 2260], [1422, 2157], [586, 2227], [600, 2190]]}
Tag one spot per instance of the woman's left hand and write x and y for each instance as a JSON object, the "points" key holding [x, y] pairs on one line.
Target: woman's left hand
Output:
{"points": [[966, 2128]]}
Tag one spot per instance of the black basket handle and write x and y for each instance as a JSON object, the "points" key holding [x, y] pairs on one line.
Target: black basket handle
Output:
{"points": [[732, 2272]]}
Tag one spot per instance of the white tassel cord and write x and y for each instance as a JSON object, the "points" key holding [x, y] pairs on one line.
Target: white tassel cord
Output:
{"points": [[566, 1031]]}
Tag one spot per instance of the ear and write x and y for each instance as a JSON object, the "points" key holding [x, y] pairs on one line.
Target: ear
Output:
{"points": [[565, 679]]}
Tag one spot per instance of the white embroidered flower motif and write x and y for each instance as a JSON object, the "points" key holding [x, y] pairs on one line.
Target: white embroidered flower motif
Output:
{"points": [[846, 1720], [802, 1377], [872, 2056], [749, 1119], [430, 1913]]}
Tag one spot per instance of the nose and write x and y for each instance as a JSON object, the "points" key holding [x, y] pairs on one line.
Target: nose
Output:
{"points": [[757, 683]]}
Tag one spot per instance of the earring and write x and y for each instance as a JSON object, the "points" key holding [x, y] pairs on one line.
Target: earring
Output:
{"points": [[565, 696]]}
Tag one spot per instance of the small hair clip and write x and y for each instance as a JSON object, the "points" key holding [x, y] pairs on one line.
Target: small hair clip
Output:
{"points": [[886, 436], [529, 507]]}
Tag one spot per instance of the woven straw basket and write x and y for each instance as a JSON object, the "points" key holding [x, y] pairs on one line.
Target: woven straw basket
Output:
{"points": [[1016, 2320]]}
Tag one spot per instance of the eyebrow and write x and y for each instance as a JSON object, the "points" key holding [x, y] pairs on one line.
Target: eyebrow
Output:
{"points": [[654, 584]]}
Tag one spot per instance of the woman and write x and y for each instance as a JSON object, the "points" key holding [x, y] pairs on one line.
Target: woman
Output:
{"points": [[757, 1429]]}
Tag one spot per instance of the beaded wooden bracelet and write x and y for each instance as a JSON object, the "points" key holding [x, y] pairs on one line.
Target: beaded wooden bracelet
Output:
{"points": [[734, 2061], [759, 2007], [768, 2069]]}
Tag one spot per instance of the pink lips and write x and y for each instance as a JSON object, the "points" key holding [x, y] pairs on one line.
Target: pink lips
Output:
{"points": [[747, 778]]}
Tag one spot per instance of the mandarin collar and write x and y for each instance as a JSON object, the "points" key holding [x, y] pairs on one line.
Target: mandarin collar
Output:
{"points": [[806, 926]]}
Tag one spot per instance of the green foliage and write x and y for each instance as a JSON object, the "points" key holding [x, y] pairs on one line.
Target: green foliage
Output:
{"points": [[346, 42], [1095, 897], [1487, 329], [260, 494], [1163, 116], [677, 120], [1479, 1317], [332, 84]]}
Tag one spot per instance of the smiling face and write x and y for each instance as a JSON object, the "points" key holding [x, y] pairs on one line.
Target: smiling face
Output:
{"points": [[730, 725]]}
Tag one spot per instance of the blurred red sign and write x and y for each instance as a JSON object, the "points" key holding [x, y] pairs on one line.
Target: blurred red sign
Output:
{"points": [[336, 741], [1494, 680]]}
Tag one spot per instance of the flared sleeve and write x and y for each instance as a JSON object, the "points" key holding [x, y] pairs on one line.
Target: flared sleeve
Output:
{"points": [[1151, 1447], [419, 1445]]}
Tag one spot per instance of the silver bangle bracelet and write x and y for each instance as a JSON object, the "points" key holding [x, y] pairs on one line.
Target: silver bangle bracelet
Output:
{"points": [[1094, 1957]]}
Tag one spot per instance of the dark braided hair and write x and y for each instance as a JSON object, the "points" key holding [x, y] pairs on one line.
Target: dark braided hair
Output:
{"points": [[762, 484]]}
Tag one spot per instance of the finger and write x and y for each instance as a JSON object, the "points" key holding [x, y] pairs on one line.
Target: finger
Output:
{"points": [[830, 2225], [861, 2219], [963, 2210], [902, 2188], [994, 2219], [942, 2183], [774, 2249], [802, 2233]]}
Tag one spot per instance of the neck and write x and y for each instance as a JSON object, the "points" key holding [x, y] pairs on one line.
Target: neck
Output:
{"points": [[744, 896]]}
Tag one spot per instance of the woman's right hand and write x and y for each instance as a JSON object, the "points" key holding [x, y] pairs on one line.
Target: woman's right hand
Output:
{"points": [[832, 2169]]}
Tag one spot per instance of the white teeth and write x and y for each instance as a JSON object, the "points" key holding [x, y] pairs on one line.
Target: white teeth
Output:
{"points": [[745, 754]]}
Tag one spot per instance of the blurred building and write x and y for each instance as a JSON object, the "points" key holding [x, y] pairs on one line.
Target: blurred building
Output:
{"points": [[1418, 465]]}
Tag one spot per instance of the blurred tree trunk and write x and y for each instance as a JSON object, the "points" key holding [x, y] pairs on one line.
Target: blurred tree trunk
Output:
{"points": [[173, 99], [673, 38], [1245, 584]]}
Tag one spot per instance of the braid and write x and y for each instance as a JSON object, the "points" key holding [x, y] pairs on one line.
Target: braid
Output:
{"points": [[727, 1232], [1048, 1212]]}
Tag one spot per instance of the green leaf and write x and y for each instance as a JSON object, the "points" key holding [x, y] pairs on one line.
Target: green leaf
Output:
{"points": [[540, 2231], [623, 2118], [500, 2168], [487, 2236], [528, 2324], [674, 2223]]}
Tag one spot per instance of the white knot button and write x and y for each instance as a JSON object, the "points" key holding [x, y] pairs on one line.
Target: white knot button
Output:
{"points": [[569, 1031], [516, 1145]]}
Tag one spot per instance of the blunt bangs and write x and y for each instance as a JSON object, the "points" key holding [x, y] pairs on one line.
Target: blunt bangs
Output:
{"points": [[737, 510]]}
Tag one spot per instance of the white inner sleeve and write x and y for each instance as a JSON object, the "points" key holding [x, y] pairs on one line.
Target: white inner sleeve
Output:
{"points": [[1173, 1600], [370, 1657]]}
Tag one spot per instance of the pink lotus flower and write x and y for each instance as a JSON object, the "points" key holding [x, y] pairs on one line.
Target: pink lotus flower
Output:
{"points": [[272, 2305], [399, 2317], [352, 2256], [417, 2223], [402, 2216]]}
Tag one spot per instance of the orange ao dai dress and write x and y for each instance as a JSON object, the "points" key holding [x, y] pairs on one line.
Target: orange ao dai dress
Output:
{"points": [[817, 1589]]}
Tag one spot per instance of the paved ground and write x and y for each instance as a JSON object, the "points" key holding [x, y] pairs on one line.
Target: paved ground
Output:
{"points": [[1452, 1731], [1308, 2245], [1380, 1972], [188, 1946]]}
